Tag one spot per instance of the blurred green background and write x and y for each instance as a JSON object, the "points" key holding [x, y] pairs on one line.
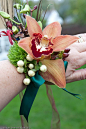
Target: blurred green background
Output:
{"points": [[72, 111]]}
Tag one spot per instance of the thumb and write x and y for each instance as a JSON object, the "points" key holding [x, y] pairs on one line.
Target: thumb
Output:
{"points": [[76, 76]]}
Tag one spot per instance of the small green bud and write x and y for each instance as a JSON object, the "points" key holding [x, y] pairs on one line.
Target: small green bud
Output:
{"points": [[15, 29], [4, 15], [17, 6], [26, 9], [40, 24]]}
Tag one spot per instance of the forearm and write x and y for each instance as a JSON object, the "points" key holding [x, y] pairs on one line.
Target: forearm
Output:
{"points": [[11, 83]]}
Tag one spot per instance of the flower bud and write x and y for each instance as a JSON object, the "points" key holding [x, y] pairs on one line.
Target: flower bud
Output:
{"points": [[65, 55], [4, 15], [9, 24], [31, 73], [26, 9], [26, 81], [40, 24], [66, 50], [15, 29], [43, 68], [35, 7], [17, 6], [20, 69], [29, 58], [31, 66], [20, 63]]}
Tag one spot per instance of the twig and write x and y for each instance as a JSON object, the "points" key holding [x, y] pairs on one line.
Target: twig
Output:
{"points": [[45, 12], [38, 10]]}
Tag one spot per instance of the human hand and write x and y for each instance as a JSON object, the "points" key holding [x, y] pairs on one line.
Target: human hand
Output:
{"points": [[76, 59]]}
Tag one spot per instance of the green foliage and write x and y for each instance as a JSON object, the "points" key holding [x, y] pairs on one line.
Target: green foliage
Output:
{"points": [[73, 8], [16, 53]]}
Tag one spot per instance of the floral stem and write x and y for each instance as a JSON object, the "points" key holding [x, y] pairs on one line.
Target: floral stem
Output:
{"points": [[14, 21], [19, 18]]}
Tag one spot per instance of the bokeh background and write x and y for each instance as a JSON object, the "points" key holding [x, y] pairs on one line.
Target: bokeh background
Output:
{"points": [[72, 16]]}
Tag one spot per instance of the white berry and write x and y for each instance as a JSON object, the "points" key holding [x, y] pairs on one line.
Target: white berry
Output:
{"points": [[29, 58], [43, 68], [26, 81], [20, 63], [31, 73], [31, 66], [20, 69]]}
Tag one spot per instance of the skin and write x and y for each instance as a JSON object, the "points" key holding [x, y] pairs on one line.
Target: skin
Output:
{"points": [[11, 82], [76, 59]]}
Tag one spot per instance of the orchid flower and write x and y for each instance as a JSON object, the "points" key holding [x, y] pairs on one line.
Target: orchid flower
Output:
{"points": [[8, 33], [41, 44]]}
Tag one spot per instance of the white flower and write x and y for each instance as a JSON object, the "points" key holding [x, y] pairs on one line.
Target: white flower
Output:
{"points": [[20, 69], [20, 63], [29, 58], [31, 66], [26, 81], [31, 73], [43, 68]]}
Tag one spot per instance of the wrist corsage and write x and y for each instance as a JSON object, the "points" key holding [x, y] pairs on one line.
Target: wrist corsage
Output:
{"points": [[38, 53]]}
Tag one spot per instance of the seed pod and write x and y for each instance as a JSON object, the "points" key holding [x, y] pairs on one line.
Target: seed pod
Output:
{"points": [[29, 58], [31, 73], [43, 68], [4, 15], [31, 66], [20, 63], [20, 69], [26, 81]]}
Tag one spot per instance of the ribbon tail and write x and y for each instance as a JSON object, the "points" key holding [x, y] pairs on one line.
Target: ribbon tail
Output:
{"points": [[55, 123], [75, 95], [24, 123], [65, 65], [30, 95]]}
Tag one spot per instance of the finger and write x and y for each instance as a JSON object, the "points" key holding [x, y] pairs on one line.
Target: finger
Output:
{"points": [[81, 47], [76, 76], [83, 58]]}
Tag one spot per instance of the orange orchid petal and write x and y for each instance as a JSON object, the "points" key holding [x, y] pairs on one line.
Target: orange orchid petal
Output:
{"points": [[33, 26], [55, 72], [52, 30], [25, 44], [61, 42]]}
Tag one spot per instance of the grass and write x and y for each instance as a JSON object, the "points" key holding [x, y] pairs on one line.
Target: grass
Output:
{"points": [[72, 110]]}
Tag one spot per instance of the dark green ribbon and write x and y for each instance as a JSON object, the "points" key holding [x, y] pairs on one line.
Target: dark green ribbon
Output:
{"points": [[30, 95], [31, 92], [75, 95]]}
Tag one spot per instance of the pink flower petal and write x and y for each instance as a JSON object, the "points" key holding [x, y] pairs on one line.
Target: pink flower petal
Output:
{"points": [[38, 53], [61, 42], [55, 72], [33, 26], [25, 44], [52, 30]]}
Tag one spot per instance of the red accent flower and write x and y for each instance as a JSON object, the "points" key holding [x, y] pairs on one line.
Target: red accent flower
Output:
{"points": [[8, 33], [40, 45]]}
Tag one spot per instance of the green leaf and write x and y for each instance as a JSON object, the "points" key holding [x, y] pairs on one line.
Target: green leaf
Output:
{"points": [[40, 64], [37, 67]]}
